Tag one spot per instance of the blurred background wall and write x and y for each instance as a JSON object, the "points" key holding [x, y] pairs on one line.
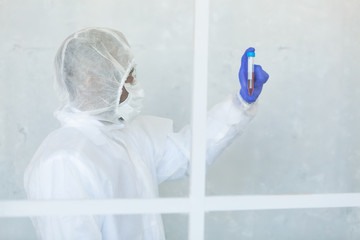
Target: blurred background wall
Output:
{"points": [[305, 138]]}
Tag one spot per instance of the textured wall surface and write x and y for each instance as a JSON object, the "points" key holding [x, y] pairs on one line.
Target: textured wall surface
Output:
{"points": [[305, 138]]}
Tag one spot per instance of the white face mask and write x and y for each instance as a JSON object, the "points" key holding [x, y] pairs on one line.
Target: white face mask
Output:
{"points": [[133, 104]]}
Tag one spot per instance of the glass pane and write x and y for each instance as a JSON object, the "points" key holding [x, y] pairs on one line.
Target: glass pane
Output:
{"points": [[175, 226], [160, 34], [321, 224], [306, 134], [17, 229]]}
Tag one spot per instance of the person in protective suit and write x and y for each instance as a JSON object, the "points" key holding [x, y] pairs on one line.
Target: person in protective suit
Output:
{"points": [[103, 149]]}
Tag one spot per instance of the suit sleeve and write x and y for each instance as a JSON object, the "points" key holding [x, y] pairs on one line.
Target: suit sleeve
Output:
{"points": [[225, 121]]}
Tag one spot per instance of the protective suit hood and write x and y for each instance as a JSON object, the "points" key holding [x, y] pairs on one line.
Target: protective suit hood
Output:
{"points": [[92, 66]]}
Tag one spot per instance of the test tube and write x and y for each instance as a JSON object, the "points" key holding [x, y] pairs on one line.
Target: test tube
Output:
{"points": [[251, 75]]}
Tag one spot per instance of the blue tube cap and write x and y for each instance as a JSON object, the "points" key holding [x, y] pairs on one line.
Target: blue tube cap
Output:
{"points": [[250, 54]]}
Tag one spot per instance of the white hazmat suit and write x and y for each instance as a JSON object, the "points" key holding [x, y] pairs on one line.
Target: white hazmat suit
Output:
{"points": [[94, 155]]}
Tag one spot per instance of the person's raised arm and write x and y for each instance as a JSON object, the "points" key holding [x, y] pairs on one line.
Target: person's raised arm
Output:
{"points": [[225, 121]]}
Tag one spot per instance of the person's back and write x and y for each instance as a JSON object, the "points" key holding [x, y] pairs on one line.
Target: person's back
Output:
{"points": [[87, 159]]}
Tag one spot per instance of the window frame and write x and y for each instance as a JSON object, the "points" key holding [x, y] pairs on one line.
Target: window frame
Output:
{"points": [[197, 204]]}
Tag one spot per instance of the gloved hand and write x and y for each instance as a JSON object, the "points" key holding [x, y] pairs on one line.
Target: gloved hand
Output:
{"points": [[260, 78]]}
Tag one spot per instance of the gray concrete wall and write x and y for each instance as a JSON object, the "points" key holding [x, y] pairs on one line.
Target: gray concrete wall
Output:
{"points": [[305, 138]]}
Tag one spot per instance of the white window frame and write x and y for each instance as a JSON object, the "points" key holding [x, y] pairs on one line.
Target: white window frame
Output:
{"points": [[197, 204]]}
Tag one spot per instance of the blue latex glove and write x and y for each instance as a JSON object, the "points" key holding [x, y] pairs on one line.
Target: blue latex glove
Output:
{"points": [[260, 78]]}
